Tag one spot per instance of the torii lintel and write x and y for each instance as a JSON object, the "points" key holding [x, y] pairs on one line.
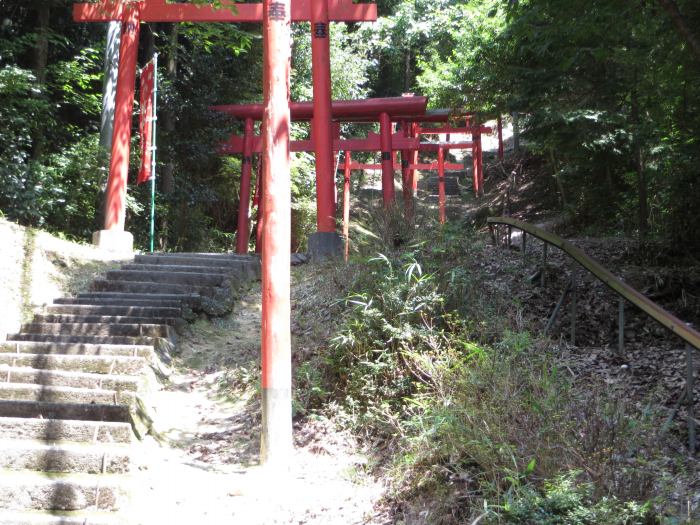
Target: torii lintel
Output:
{"points": [[162, 11]]}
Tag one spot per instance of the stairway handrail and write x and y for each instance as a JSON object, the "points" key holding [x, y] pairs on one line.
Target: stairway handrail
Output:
{"points": [[653, 310]]}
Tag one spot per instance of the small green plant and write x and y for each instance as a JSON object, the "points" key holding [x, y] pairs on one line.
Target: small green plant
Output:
{"points": [[568, 501]]}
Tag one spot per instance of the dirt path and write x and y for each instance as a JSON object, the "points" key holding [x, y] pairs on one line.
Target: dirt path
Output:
{"points": [[203, 466]]}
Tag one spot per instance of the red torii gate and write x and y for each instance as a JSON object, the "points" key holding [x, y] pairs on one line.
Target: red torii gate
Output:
{"points": [[410, 111], [132, 13]]}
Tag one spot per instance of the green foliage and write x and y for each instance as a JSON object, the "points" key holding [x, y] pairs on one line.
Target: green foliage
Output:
{"points": [[474, 413], [564, 501]]}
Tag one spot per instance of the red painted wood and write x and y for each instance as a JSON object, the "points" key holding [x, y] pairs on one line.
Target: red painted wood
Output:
{"points": [[276, 237], [160, 11], [441, 185], [244, 200], [344, 110], [385, 136], [115, 198], [346, 203], [322, 129]]}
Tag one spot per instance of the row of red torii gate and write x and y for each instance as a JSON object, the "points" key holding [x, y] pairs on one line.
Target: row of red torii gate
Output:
{"points": [[409, 113]]}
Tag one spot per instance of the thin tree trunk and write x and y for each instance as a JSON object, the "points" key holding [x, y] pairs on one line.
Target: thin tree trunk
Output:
{"points": [[407, 71], [682, 27], [642, 194], [168, 177], [41, 58]]}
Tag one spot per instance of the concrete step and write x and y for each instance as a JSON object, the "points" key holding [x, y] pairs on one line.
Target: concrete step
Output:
{"points": [[87, 339], [61, 378], [36, 517], [124, 301], [64, 394], [97, 310], [129, 330], [106, 350], [27, 454], [227, 257], [104, 319], [146, 296], [249, 265], [183, 268], [74, 411], [72, 492], [65, 430], [162, 276], [139, 287], [95, 364]]}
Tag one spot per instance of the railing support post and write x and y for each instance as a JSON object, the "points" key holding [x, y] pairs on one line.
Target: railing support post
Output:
{"points": [[689, 384], [524, 246], [621, 327], [510, 235], [574, 285], [543, 273], [555, 313]]}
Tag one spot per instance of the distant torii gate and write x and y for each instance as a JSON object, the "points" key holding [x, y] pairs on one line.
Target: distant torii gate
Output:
{"points": [[132, 13], [410, 111]]}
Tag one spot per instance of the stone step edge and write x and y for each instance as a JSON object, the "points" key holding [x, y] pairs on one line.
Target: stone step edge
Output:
{"points": [[55, 517], [14, 347], [68, 426]]}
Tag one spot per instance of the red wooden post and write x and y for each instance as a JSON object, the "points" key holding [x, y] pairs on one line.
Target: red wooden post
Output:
{"points": [[244, 204], [387, 162], [475, 166], [258, 198], [441, 184], [500, 137], [276, 445], [406, 183], [115, 201], [480, 162], [346, 204], [414, 159], [322, 128]]}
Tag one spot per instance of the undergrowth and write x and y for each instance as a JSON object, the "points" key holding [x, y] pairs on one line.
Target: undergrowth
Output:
{"points": [[469, 413]]}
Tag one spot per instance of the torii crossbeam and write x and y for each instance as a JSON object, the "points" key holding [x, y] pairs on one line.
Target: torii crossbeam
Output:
{"points": [[132, 13]]}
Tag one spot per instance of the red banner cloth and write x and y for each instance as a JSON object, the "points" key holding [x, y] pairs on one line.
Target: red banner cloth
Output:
{"points": [[146, 122]]}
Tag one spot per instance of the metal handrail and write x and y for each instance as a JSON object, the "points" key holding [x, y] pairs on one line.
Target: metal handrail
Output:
{"points": [[656, 312]]}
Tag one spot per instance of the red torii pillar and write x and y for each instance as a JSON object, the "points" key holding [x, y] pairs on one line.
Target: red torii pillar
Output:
{"points": [[113, 235], [322, 126], [244, 200], [131, 14], [346, 203], [441, 184], [387, 160], [275, 341]]}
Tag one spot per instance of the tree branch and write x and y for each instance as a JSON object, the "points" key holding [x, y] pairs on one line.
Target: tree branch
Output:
{"points": [[671, 8]]}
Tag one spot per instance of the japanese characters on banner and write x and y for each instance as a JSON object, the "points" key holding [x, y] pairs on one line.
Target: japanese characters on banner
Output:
{"points": [[146, 122]]}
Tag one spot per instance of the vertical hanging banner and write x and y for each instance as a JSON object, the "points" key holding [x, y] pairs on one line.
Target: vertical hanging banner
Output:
{"points": [[146, 122]]}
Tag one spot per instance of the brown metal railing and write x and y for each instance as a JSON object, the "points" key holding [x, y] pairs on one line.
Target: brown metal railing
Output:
{"points": [[622, 289]]}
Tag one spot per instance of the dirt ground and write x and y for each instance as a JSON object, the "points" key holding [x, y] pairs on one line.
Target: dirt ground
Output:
{"points": [[202, 466]]}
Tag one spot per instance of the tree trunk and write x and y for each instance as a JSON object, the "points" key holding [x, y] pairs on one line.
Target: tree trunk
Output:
{"points": [[516, 132], [643, 205], [682, 27], [41, 58], [109, 93], [407, 71], [168, 178]]}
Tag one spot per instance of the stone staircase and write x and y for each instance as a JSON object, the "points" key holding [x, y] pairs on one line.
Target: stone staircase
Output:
{"points": [[73, 383]]}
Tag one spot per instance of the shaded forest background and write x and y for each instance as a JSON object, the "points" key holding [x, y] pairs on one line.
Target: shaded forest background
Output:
{"points": [[608, 94]]}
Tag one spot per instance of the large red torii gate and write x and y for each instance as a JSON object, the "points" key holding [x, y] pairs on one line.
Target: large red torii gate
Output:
{"points": [[132, 13]]}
